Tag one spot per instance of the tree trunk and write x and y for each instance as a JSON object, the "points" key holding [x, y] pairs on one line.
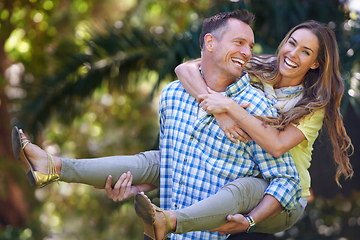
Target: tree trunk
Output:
{"points": [[12, 201]]}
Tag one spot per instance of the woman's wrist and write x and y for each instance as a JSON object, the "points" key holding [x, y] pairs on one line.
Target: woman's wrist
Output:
{"points": [[234, 109]]}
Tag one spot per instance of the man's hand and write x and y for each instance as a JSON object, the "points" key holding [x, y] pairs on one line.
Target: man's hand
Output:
{"points": [[123, 188], [236, 223]]}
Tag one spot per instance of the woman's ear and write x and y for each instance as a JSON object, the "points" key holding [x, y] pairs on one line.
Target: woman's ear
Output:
{"points": [[315, 65], [209, 42]]}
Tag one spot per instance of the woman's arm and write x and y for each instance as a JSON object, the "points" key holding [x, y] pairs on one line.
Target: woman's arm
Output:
{"points": [[191, 79], [270, 139]]}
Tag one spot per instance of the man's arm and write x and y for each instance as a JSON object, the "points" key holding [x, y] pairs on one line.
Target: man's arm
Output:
{"points": [[267, 208], [124, 189], [284, 191], [282, 174]]}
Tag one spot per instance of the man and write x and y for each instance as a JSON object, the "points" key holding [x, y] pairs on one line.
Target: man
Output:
{"points": [[196, 157]]}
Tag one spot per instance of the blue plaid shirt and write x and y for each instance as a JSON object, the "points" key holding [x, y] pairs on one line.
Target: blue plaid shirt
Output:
{"points": [[197, 159]]}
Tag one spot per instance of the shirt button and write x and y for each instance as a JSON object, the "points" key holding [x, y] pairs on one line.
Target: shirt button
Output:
{"points": [[185, 160], [191, 138], [180, 182], [176, 205]]}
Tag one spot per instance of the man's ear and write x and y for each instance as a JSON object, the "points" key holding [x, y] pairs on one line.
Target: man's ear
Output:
{"points": [[315, 65], [209, 42]]}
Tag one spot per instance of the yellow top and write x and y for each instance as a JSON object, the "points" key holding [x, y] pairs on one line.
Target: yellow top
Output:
{"points": [[309, 125]]}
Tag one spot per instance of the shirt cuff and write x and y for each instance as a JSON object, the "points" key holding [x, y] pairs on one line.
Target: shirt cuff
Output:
{"points": [[287, 193]]}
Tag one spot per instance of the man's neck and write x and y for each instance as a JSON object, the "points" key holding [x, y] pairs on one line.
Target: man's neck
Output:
{"points": [[215, 80]]}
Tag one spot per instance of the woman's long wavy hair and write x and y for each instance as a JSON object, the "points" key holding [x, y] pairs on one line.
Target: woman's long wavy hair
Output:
{"points": [[323, 89]]}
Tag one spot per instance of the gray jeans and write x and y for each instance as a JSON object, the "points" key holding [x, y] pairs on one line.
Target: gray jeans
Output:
{"points": [[239, 196]]}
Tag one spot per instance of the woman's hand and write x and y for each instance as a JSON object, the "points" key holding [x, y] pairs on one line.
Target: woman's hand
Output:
{"points": [[232, 130], [215, 102]]}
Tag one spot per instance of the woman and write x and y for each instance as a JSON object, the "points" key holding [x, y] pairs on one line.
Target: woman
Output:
{"points": [[307, 61]]}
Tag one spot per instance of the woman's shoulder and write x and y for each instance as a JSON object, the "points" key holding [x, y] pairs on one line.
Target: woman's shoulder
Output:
{"points": [[316, 116]]}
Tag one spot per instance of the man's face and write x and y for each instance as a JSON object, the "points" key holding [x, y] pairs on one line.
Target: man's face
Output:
{"points": [[233, 51]]}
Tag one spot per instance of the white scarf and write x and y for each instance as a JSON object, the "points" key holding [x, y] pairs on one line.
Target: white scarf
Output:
{"points": [[284, 98]]}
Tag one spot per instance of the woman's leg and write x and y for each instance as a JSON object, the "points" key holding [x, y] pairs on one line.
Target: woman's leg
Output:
{"points": [[239, 196], [143, 166]]}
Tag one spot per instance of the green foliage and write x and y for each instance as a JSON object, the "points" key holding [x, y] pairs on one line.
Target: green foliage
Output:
{"points": [[127, 50], [75, 211], [336, 218]]}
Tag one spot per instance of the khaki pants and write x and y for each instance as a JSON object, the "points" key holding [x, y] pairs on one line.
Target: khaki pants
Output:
{"points": [[239, 196], [145, 168]]}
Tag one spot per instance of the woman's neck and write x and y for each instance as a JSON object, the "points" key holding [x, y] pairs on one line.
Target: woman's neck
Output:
{"points": [[287, 82]]}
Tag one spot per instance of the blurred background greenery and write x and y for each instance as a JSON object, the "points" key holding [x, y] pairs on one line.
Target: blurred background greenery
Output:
{"points": [[82, 78]]}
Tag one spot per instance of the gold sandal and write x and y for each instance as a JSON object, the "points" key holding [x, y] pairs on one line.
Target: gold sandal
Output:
{"points": [[146, 211], [35, 178]]}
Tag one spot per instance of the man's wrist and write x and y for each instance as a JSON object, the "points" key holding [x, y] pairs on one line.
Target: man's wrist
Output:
{"points": [[252, 224]]}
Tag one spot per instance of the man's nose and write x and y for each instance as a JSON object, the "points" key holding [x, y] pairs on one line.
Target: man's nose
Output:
{"points": [[246, 52]]}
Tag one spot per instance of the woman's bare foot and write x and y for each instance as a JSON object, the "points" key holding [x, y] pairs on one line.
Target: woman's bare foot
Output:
{"points": [[39, 158], [160, 223]]}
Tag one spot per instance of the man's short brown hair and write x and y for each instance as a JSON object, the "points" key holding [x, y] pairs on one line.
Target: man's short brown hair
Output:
{"points": [[218, 21]]}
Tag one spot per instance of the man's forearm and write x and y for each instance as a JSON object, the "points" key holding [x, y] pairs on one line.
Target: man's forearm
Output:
{"points": [[144, 187], [267, 208]]}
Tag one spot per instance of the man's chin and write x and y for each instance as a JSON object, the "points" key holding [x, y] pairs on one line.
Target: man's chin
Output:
{"points": [[238, 73], [238, 69]]}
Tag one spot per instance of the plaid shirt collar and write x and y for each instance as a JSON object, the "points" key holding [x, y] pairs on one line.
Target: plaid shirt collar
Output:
{"points": [[237, 87]]}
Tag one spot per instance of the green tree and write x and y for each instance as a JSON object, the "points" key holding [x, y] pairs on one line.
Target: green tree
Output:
{"points": [[40, 38]]}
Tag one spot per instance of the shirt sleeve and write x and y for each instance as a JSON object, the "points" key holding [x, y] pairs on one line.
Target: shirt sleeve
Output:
{"points": [[282, 174], [161, 114], [310, 125], [162, 109]]}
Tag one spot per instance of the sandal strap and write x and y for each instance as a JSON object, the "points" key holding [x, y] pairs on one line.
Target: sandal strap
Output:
{"points": [[51, 165], [24, 141], [168, 223]]}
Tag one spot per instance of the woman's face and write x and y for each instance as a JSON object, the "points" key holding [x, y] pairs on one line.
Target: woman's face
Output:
{"points": [[297, 56]]}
